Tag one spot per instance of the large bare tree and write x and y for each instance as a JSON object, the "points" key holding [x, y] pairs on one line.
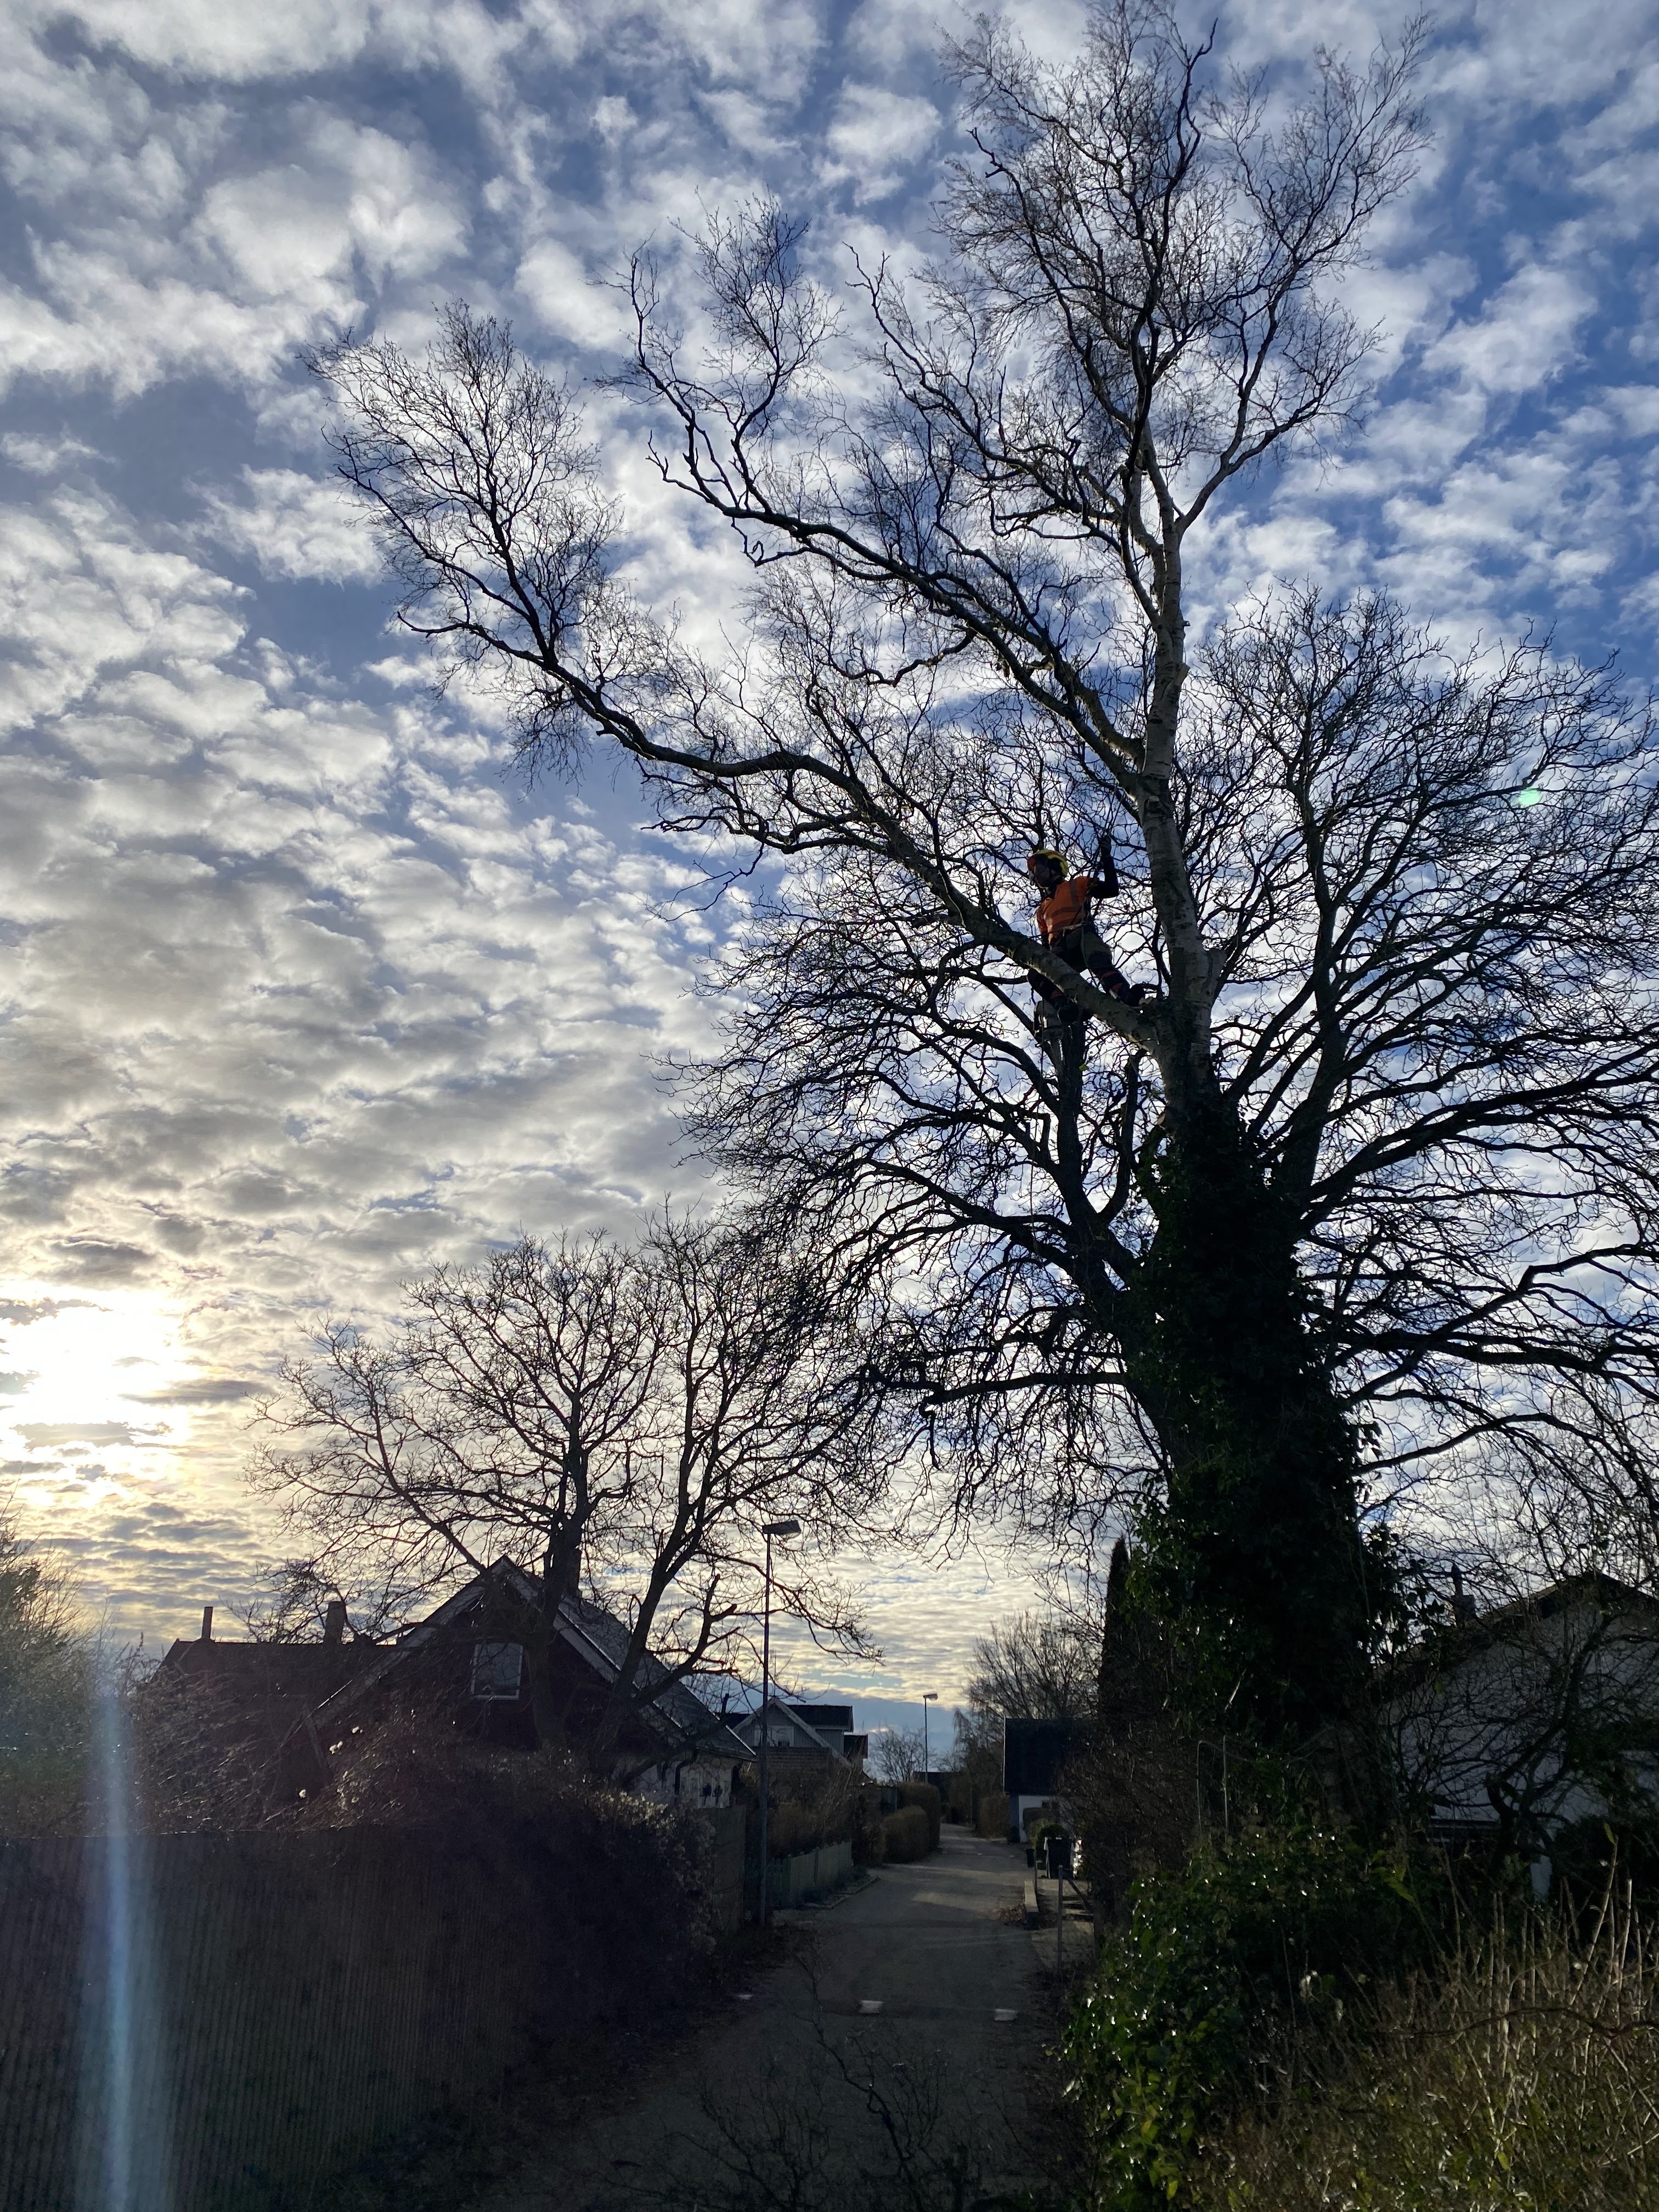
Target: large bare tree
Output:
{"points": [[1037, 1666], [1368, 1181], [616, 1419]]}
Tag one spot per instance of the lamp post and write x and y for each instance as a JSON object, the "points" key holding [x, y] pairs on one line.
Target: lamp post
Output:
{"points": [[769, 1529], [928, 1698]]}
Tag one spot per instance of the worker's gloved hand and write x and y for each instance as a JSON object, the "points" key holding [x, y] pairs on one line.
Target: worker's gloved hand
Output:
{"points": [[1105, 868]]}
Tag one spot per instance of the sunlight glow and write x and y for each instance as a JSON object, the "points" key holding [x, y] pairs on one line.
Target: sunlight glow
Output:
{"points": [[81, 1381]]}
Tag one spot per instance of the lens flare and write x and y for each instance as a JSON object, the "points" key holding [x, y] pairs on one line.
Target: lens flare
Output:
{"points": [[124, 2147]]}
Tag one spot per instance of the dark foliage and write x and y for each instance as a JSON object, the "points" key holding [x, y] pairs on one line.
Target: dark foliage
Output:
{"points": [[47, 1689], [1201, 2003]]}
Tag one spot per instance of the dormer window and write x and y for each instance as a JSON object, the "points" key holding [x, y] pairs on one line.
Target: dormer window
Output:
{"points": [[497, 1670]]}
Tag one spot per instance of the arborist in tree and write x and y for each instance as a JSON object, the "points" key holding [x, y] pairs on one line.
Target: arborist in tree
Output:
{"points": [[1066, 924]]}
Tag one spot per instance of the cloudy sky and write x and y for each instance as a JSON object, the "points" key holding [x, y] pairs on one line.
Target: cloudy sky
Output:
{"points": [[300, 991]]}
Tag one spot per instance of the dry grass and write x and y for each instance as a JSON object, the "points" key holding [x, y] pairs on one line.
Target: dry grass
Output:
{"points": [[1522, 2072]]}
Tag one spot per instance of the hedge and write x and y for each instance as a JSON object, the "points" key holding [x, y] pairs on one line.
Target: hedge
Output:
{"points": [[905, 1834], [926, 1798]]}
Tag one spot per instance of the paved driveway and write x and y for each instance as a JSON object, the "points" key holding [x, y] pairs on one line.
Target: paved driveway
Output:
{"points": [[896, 2041]]}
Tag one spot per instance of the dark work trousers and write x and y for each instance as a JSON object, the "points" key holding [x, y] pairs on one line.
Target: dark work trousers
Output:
{"points": [[1056, 1016], [1085, 948]]}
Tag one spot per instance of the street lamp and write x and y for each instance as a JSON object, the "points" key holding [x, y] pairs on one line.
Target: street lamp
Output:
{"points": [[769, 1529], [928, 1698]]}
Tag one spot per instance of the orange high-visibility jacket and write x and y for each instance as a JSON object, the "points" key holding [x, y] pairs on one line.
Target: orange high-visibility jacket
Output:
{"points": [[1067, 907]]}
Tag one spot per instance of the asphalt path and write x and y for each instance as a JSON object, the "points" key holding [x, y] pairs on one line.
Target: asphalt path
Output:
{"points": [[895, 2044]]}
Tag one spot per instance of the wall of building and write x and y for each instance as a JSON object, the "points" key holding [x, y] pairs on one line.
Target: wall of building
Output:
{"points": [[725, 1831], [699, 1785]]}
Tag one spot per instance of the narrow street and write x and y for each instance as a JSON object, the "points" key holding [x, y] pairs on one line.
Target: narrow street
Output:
{"points": [[899, 2037]]}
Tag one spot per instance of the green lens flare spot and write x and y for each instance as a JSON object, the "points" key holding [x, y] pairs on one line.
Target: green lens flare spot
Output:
{"points": [[1529, 797]]}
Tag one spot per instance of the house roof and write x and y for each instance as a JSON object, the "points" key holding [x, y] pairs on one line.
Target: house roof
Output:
{"points": [[1033, 1753], [606, 1638], [670, 1710], [818, 1737], [830, 1720], [1454, 1643], [268, 1686]]}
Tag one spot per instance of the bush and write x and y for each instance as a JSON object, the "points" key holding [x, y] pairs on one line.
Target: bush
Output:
{"points": [[1590, 1855], [821, 1807], [904, 1834], [1202, 1999], [792, 1827], [993, 1815], [869, 1839], [1519, 2071], [926, 1796]]}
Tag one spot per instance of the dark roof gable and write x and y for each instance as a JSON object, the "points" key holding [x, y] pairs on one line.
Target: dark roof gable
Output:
{"points": [[673, 1712], [1033, 1753], [834, 1719]]}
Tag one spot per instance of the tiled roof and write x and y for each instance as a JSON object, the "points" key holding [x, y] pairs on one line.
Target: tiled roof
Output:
{"points": [[675, 1712], [265, 1689], [280, 1670]]}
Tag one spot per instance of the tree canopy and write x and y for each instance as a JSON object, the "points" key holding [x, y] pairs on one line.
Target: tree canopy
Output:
{"points": [[1367, 1190], [618, 1419]]}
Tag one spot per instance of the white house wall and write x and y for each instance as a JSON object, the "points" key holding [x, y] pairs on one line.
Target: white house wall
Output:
{"points": [[1497, 1708], [703, 1785]]}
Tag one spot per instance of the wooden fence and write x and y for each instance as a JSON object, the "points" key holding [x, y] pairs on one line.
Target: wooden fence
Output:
{"points": [[809, 1873], [216, 2023]]}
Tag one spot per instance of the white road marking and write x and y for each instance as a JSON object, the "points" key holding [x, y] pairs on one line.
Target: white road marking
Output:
{"points": [[869, 2004], [1002, 2015]]}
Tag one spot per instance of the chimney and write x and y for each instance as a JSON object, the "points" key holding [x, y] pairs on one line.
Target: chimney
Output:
{"points": [[207, 1624], [334, 1622], [1463, 1606]]}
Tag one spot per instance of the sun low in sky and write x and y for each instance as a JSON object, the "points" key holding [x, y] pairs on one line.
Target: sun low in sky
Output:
{"points": [[303, 992]]}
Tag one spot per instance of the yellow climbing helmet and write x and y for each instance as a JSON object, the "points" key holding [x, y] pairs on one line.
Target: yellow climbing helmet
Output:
{"points": [[1046, 852]]}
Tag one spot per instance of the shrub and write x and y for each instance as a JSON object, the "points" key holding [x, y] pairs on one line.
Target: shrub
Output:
{"points": [[791, 1826], [993, 1815], [1589, 1855], [904, 1834], [924, 1795], [869, 1839], [812, 1808], [1518, 2071], [1201, 1999]]}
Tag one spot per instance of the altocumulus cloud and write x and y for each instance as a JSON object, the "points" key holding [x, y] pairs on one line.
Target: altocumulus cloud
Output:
{"points": [[302, 993]]}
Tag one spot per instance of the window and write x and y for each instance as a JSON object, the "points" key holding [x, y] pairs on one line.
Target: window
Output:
{"points": [[497, 1669]]}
